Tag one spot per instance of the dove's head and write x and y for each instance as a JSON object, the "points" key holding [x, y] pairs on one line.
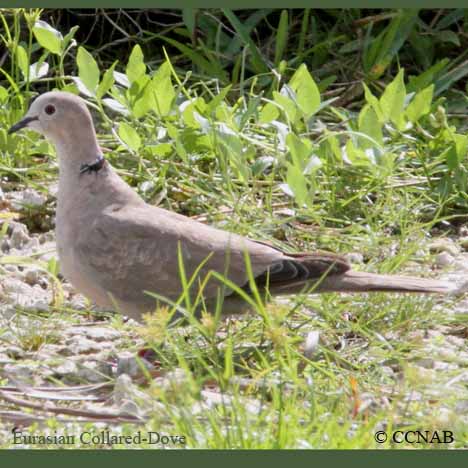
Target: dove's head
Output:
{"points": [[61, 117]]}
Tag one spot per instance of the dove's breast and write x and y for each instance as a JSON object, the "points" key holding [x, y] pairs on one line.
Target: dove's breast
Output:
{"points": [[71, 219], [74, 271]]}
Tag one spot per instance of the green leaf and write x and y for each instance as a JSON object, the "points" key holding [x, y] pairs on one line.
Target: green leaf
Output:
{"points": [[300, 150], [307, 92], [374, 102], [288, 105], [48, 37], [71, 88], [233, 150], [198, 105], [451, 157], [216, 101], [136, 66], [252, 110], [461, 145], [140, 96], [356, 156], [452, 76], [258, 62], [163, 90], [268, 113], [23, 60], [420, 104], [69, 36], [298, 184], [106, 82], [129, 136], [416, 83], [326, 82], [224, 113], [163, 149], [392, 101], [189, 17], [3, 94], [448, 36], [228, 360], [88, 70], [281, 37], [423, 49], [458, 151], [450, 17], [174, 133], [236, 43], [369, 125], [386, 48]]}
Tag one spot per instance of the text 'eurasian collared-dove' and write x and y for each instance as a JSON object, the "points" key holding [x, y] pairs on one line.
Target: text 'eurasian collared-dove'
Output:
{"points": [[114, 248]]}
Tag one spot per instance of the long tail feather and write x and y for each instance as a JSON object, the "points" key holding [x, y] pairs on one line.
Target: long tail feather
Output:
{"points": [[323, 272], [359, 281]]}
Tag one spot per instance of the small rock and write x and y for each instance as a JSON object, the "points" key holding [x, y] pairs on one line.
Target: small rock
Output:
{"points": [[8, 337], [66, 369], [33, 198], [19, 234], [98, 334], [46, 237], [311, 344], [27, 198], [77, 301], [460, 264], [146, 186], [355, 257], [456, 341], [15, 352], [102, 334], [49, 351], [444, 366], [33, 244], [130, 364], [443, 245], [19, 373], [69, 289], [443, 259], [461, 407], [131, 400], [448, 354], [463, 241], [14, 285], [5, 246], [32, 275], [423, 375], [81, 345], [94, 372], [4, 359], [427, 363]]}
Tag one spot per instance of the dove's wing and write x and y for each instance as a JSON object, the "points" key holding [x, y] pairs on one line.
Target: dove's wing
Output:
{"points": [[132, 249]]}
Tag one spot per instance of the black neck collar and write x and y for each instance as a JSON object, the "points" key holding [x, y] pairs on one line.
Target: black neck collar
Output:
{"points": [[96, 166]]}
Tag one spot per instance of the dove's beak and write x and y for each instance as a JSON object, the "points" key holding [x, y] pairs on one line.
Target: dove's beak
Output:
{"points": [[22, 124]]}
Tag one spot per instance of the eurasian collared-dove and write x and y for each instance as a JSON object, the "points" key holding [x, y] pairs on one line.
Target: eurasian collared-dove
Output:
{"points": [[113, 247]]}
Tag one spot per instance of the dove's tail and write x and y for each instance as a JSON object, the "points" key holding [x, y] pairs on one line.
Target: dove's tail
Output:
{"points": [[323, 272], [360, 281]]}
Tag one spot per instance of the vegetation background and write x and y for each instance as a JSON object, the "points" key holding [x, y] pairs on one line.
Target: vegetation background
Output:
{"points": [[341, 130]]}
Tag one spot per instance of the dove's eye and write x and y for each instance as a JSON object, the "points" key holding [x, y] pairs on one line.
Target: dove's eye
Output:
{"points": [[49, 109]]}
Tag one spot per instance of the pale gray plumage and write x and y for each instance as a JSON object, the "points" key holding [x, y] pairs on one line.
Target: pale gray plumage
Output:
{"points": [[113, 246]]}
